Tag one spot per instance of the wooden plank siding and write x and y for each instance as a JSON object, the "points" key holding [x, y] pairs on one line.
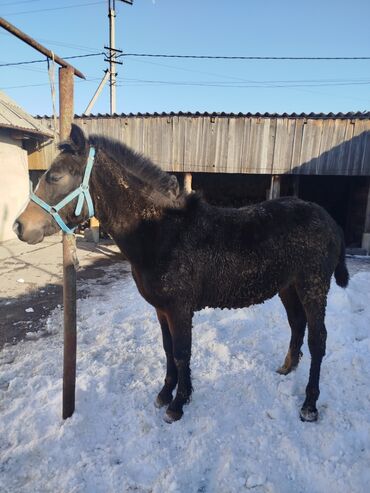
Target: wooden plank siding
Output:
{"points": [[307, 145]]}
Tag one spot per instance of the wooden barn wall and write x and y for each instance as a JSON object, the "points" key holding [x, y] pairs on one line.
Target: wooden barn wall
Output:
{"points": [[221, 144]]}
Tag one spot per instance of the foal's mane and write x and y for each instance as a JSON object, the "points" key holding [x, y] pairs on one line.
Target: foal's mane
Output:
{"points": [[163, 187]]}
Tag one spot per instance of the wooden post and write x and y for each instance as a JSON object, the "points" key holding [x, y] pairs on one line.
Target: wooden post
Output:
{"points": [[188, 182], [69, 259], [275, 187], [94, 226], [365, 244], [69, 244]]}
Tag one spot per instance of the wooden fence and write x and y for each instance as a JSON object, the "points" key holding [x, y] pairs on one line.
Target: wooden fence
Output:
{"points": [[218, 143]]}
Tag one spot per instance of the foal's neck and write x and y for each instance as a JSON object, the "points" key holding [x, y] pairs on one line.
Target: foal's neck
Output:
{"points": [[119, 201]]}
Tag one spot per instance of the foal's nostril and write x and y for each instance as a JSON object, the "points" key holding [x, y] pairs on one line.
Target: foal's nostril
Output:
{"points": [[18, 228]]}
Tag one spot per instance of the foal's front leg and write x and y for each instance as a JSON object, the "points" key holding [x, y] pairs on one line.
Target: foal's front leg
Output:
{"points": [[165, 395], [180, 325]]}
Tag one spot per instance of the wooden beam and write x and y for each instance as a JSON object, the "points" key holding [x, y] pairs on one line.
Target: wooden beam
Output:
{"points": [[37, 46]]}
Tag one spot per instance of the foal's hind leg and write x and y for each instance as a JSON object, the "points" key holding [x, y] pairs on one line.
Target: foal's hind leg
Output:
{"points": [[314, 302], [297, 321], [165, 395]]}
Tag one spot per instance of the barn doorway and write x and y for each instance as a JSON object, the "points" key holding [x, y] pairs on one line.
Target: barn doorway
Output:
{"points": [[344, 197]]}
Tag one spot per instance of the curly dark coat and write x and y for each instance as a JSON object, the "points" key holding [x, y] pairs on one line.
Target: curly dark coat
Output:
{"points": [[186, 254]]}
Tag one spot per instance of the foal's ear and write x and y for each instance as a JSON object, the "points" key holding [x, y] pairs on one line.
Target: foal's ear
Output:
{"points": [[78, 139]]}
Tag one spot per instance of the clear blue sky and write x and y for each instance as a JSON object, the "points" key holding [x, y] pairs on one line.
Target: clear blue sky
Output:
{"points": [[204, 27]]}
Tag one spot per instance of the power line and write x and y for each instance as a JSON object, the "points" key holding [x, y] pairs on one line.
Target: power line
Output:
{"points": [[23, 86], [12, 64], [261, 85], [17, 3], [364, 80], [54, 8], [69, 45], [220, 57], [238, 85], [59, 43]]}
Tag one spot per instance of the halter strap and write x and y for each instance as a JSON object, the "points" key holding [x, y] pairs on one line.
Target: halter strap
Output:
{"points": [[82, 192]]}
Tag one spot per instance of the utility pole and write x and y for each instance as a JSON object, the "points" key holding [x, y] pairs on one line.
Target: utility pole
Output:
{"points": [[112, 58], [113, 52]]}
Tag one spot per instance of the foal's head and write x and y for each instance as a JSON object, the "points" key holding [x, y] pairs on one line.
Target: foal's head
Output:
{"points": [[64, 175]]}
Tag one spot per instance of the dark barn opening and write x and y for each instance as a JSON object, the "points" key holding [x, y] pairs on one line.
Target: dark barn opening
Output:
{"points": [[231, 190], [344, 197]]}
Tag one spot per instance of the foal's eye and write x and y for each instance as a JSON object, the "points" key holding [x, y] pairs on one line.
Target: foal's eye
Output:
{"points": [[53, 178]]}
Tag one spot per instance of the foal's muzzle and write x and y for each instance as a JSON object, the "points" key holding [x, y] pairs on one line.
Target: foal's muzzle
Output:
{"points": [[18, 229]]}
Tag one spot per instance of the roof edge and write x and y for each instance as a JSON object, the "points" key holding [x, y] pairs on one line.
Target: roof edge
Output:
{"points": [[364, 115], [36, 133]]}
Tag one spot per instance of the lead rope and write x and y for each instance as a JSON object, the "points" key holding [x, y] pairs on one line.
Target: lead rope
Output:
{"points": [[51, 73]]}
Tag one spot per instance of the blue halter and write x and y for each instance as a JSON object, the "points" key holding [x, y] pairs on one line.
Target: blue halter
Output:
{"points": [[82, 192]]}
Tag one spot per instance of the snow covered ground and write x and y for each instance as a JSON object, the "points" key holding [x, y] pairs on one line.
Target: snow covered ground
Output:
{"points": [[241, 431]]}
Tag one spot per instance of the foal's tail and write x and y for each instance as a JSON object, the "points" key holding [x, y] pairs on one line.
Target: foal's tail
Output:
{"points": [[341, 272]]}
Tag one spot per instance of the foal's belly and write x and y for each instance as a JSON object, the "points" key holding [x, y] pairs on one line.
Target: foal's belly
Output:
{"points": [[237, 297], [241, 289]]}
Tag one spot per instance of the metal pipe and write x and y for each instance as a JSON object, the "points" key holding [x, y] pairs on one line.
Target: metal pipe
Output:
{"points": [[97, 93], [39, 47], [69, 259]]}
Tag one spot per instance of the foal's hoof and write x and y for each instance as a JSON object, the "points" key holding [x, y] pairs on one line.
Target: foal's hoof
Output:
{"points": [[160, 402], [172, 416], [164, 398], [309, 415]]}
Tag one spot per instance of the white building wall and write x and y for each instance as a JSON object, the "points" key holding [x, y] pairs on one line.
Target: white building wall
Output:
{"points": [[14, 183]]}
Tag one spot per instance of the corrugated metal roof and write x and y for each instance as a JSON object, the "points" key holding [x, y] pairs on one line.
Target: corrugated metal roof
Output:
{"points": [[360, 115], [14, 117]]}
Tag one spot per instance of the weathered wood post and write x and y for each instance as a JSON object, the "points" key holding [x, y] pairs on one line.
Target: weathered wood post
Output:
{"points": [[366, 234], [188, 182], [66, 73], [94, 227], [69, 259], [275, 187]]}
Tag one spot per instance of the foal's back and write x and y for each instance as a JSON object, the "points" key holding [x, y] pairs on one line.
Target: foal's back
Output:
{"points": [[239, 257]]}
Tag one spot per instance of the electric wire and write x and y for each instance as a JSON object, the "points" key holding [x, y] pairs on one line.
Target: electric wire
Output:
{"points": [[192, 57], [23, 86], [258, 84], [43, 60], [37, 11], [18, 3], [239, 82], [221, 57]]}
